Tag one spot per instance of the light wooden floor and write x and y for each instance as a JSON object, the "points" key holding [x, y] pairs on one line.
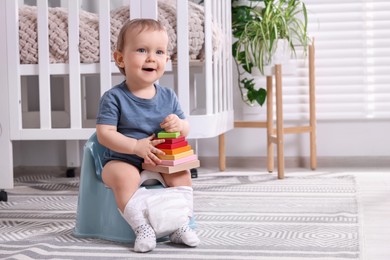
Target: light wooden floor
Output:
{"points": [[374, 202]]}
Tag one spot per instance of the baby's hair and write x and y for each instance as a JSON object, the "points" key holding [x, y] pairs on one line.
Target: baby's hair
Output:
{"points": [[139, 25]]}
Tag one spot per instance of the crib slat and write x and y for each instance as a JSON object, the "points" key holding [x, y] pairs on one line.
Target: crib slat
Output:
{"points": [[144, 9], [228, 50], [183, 79], [216, 62], [72, 146], [224, 53], [74, 65], [105, 46], [135, 9], [219, 96], [44, 68], [208, 56], [223, 58]]}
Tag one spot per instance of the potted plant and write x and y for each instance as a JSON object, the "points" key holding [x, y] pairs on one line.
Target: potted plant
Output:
{"points": [[258, 28]]}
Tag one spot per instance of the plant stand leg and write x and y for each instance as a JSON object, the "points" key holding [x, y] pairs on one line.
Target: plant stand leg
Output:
{"points": [[312, 98], [222, 154], [270, 123], [279, 121]]}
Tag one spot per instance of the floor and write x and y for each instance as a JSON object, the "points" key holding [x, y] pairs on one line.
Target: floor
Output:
{"points": [[374, 199], [373, 194]]}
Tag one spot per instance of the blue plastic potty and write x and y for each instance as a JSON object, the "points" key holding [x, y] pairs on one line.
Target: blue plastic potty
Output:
{"points": [[97, 212]]}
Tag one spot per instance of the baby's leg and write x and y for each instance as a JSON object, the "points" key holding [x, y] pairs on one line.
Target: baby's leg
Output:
{"points": [[124, 179], [182, 180]]}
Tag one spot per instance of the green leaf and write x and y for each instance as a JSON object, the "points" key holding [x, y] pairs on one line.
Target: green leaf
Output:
{"points": [[248, 67], [234, 48], [261, 95], [248, 84], [251, 96]]}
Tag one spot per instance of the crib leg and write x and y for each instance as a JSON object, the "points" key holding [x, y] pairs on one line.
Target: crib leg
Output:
{"points": [[3, 195], [72, 157], [194, 173], [70, 172]]}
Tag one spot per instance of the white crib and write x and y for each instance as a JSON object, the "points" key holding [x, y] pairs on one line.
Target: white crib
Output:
{"points": [[204, 86]]}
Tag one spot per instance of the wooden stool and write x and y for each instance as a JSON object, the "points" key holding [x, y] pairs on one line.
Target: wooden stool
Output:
{"points": [[275, 135]]}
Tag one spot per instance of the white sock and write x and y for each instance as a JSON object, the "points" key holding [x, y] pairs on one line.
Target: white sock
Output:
{"points": [[185, 235], [134, 215], [145, 240]]}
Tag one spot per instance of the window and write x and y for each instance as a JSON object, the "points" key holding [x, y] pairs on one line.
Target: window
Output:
{"points": [[352, 40]]}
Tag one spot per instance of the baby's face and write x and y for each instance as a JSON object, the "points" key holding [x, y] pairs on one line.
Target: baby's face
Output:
{"points": [[145, 57]]}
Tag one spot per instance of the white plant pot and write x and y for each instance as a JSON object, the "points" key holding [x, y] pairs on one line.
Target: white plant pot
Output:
{"points": [[281, 55], [256, 72], [282, 52]]}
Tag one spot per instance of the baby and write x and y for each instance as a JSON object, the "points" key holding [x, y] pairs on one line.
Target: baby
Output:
{"points": [[129, 116]]}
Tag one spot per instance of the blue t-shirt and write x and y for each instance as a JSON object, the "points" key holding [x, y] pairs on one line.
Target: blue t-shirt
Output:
{"points": [[135, 117]]}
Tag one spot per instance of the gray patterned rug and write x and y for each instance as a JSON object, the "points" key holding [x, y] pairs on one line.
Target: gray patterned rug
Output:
{"points": [[237, 217]]}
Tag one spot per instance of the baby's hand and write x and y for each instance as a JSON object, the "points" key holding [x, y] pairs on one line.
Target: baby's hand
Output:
{"points": [[172, 123], [145, 148]]}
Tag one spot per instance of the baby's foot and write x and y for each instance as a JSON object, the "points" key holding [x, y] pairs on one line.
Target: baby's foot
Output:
{"points": [[145, 238], [185, 235]]}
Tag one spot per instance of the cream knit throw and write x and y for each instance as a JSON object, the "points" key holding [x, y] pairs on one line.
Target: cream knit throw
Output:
{"points": [[89, 32]]}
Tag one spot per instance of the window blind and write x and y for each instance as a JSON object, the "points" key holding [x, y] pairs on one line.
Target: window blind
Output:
{"points": [[352, 41]]}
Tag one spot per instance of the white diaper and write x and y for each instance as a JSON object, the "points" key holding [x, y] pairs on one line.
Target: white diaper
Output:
{"points": [[167, 210]]}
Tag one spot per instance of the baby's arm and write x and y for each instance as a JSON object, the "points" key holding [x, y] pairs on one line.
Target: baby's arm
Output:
{"points": [[172, 123], [144, 148]]}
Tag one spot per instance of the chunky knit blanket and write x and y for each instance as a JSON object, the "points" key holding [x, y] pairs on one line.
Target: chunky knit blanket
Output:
{"points": [[89, 32]]}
